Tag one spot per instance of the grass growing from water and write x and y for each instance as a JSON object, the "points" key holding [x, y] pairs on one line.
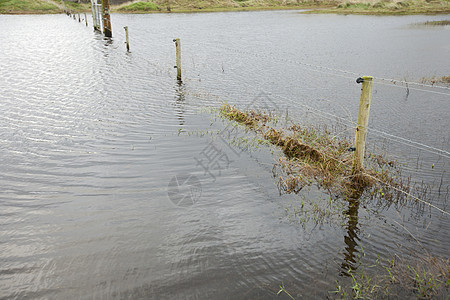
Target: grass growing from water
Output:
{"points": [[315, 156], [434, 80], [437, 23], [396, 278]]}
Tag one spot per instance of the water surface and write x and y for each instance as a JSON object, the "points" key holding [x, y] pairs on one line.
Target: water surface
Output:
{"points": [[92, 138]]}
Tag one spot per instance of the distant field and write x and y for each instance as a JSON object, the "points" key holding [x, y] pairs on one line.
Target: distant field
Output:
{"points": [[367, 7]]}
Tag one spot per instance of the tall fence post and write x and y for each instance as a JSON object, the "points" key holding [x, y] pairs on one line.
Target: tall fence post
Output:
{"points": [[126, 37], [85, 18], [178, 66], [363, 121], [106, 19]]}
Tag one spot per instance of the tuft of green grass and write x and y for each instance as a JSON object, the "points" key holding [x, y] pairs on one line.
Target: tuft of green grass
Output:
{"points": [[437, 23], [429, 278]]}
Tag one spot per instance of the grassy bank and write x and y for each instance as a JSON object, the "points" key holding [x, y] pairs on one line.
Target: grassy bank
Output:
{"points": [[28, 7], [218, 5], [366, 7], [389, 7], [78, 7]]}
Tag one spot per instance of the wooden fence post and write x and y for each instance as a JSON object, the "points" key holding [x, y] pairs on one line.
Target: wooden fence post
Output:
{"points": [[126, 37], [85, 18], [178, 66], [106, 19], [363, 121]]}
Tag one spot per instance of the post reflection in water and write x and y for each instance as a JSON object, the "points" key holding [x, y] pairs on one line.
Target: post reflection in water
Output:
{"points": [[351, 239], [180, 101]]}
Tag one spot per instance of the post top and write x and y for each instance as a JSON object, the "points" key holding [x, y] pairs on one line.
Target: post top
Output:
{"points": [[368, 78]]}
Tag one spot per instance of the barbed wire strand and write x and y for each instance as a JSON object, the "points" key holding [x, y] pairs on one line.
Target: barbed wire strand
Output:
{"points": [[410, 88], [409, 195], [392, 82], [334, 117]]}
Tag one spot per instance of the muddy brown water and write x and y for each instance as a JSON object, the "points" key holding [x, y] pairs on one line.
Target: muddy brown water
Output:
{"points": [[118, 182]]}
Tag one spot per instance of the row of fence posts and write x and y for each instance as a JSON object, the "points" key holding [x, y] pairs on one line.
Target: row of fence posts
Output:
{"points": [[364, 103], [106, 18], [363, 111], [75, 14]]}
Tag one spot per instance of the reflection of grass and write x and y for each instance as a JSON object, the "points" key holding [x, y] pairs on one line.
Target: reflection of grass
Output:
{"points": [[27, 6], [390, 7]]}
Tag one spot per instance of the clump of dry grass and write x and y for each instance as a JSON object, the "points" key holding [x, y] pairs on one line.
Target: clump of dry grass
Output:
{"points": [[311, 155], [435, 80]]}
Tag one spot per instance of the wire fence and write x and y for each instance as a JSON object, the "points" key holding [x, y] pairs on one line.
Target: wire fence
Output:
{"points": [[289, 101]]}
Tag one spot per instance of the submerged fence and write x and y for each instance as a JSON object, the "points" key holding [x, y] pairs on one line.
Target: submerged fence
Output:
{"points": [[361, 127]]}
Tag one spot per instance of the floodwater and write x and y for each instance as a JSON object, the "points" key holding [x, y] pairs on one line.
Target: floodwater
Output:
{"points": [[117, 181]]}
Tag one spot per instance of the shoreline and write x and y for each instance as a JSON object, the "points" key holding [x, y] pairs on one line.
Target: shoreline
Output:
{"points": [[383, 8]]}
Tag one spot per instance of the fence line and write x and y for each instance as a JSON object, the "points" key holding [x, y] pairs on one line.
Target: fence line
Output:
{"points": [[398, 139], [347, 72]]}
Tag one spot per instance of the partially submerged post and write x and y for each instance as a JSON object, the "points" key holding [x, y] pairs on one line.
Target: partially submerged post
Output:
{"points": [[126, 37], [79, 18], [97, 14], [106, 19], [363, 121], [85, 18], [178, 66]]}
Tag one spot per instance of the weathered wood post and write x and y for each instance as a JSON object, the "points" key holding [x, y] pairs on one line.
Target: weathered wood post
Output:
{"points": [[126, 37], [85, 18], [79, 17], [106, 19], [363, 121], [178, 66]]}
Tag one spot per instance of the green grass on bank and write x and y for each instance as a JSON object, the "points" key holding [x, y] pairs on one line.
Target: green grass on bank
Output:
{"points": [[78, 7], [28, 6], [218, 5], [140, 7], [390, 7], [366, 7]]}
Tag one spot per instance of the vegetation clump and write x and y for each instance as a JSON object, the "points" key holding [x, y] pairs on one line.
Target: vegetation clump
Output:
{"points": [[428, 278], [311, 155], [436, 80], [437, 23]]}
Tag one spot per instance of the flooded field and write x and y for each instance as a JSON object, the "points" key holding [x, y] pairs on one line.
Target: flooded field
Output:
{"points": [[119, 181]]}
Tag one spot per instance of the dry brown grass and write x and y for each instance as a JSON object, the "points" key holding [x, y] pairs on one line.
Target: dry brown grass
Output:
{"points": [[311, 156]]}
